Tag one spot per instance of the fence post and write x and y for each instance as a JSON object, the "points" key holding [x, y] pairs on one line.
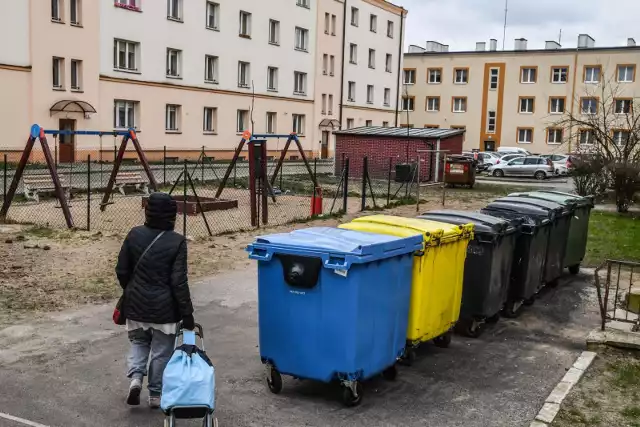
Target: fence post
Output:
{"points": [[315, 168], [164, 165], [184, 201], [202, 166], [365, 169], [345, 189], [389, 183], [115, 153], [55, 152], [281, 173], [4, 182], [235, 165], [89, 192]]}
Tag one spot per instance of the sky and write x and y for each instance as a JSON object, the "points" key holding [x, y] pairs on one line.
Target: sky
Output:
{"points": [[462, 23]]}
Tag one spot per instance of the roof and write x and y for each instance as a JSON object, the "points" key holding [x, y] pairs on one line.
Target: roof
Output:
{"points": [[525, 52], [416, 133]]}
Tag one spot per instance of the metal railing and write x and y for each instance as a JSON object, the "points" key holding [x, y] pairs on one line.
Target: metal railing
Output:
{"points": [[614, 295]]}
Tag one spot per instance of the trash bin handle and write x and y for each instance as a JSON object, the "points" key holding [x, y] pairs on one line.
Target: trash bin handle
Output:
{"points": [[336, 262], [261, 254]]}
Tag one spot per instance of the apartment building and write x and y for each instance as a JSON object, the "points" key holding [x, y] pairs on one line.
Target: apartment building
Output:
{"points": [[514, 97]]}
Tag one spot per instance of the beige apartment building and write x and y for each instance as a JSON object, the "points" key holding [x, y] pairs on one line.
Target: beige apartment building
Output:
{"points": [[515, 97]]}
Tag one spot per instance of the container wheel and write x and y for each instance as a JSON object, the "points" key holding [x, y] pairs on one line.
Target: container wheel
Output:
{"points": [[498, 173], [443, 341], [390, 373], [493, 319], [408, 357], [512, 310], [209, 421], [471, 328], [574, 269], [530, 301], [169, 421], [274, 381], [348, 398], [540, 176]]}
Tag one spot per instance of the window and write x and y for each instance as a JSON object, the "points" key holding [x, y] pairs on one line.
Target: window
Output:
{"points": [[623, 106], [528, 74], [461, 75], [303, 3], [556, 105], [242, 120], [525, 135], [434, 75], [626, 73], [174, 59], [586, 137], [302, 39], [385, 124], [589, 105], [272, 79], [174, 9], [332, 65], [244, 74], [459, 104], [333, 25], [554, 135], [327, 22], [56, 10], [124, 114], [433, 103], [272, 122], [172, 118], [368, 123], [325, 63], [621, 137], [245, 24], [387, 97], [211, 69], [354, 16], [75, 11], [209, 120], [125, 55], [324, 104], [213, 16], [559, 74], [527, 105], [370, 93], [494, 76], [350, 123], [432, 126], [491, 122], [388, 63], [274, 32], [351, 91], [373, 23], [409, 76], [128, 4], [58, 73], [300, 83], [76, 74], [390, 29], [408, 103], [330, 109], [592, 73], [353, 53], [298, 124]]}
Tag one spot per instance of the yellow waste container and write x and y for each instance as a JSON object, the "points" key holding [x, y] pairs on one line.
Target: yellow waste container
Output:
{"points": [[436, 290]]}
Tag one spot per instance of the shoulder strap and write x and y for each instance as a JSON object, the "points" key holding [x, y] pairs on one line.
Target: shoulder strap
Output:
{"points": [[145, 252]]}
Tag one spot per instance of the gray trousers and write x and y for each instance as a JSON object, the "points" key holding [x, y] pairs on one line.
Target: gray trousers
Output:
{"points": [[153, 348]]}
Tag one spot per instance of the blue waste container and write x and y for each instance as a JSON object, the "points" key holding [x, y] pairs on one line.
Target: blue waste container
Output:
{"points": [[333, 305]]}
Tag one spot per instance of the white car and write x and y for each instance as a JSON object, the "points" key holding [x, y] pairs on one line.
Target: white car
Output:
{"points": [[489, 158], [561, 162], [513, 150]]}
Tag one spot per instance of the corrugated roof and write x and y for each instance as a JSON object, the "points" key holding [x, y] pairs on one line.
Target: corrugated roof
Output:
{"points": [[419, 133]]}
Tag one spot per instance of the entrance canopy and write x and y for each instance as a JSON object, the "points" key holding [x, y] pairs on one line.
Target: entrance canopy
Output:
{"points": [[329, 123], [72, 106]]}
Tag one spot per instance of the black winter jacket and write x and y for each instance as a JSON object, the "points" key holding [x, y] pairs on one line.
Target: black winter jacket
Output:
{"points": [[158, 292]]}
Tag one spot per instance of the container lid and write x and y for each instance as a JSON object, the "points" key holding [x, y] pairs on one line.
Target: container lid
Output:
{"points": [[532, 221], [559, 208], [580, 201], [483, 224], [433, 232], [372, 227], [539, 214]]}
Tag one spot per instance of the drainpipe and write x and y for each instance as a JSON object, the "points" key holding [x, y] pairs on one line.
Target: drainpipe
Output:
{"points": [[573, 95], [344, 42], [437, 177], [399, 65]]}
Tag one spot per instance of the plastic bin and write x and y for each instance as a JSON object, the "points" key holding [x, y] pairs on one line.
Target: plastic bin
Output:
{"points": [[487, 266], [460, 170], [436, 289], [333, 305], [530, 253], [579, 228]]}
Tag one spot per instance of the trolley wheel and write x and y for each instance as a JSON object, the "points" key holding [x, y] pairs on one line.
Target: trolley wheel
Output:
{"points": [[574, 269], [390, 373], [209, 421], [348, 398], [274, 381], [169, 421], [471, 328], [443, 341]]}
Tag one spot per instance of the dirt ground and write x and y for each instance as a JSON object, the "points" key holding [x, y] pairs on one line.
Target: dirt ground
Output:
{"points": [[607, 396]]}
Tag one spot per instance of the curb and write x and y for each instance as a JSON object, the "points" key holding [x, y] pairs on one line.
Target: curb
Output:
{"points": [[552, 404]]}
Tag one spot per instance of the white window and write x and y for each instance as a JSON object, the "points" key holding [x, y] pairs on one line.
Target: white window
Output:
{"points": [[272, 79], [351, 91], [272, 122], [128, 4], [385, 124], [408, 103], [330, 106], [76, 74], [324, 103], [368, 123], [589, 106], [355, 13], [303, 3], [332, 65], [494, 76], [353, 53], [350, 123], [298, 124], [592, 74], [433, 103], [370, 94], [172, 121], [491, 122], [56, 10], [213, 16], [333, 25], [388, 63], [559, 74], [459, 104], [174, 63], [244, 74], [325, 64], [211, 69], [409, 77], [525, 135], [586, 137], [125, 55], [554, 136], [390, 29], [302, 39], [58, 73], [373, 23], [209, 120], [242, 120], [245, 24], [626, 73], [372, 58], [529, 75], [327, 22], [274, 32], [556, 105], [174, 9], [75, 11], [387, 97], [527, 105], [461, 76], [300, 83], [621, 137], [435, 75], [623, 106], [124, 114]]}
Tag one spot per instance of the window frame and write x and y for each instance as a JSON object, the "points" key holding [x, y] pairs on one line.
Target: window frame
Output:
{"points": [[299, 121], [300, 79], [247, 67], [620, 131], [559, 67], [429, 70], [615, 106], [597, 101], [412, 72], [330, 104], [57, 15], [524, 68], [453, 104], [272, 123], [410, 100], [388, 63], [497, 76], [274, 36], [633, 73], [564, 104], [386, 101], [351, 85], [585, 131], [527, 98], [57, 67], [591, 67], [372, 64], [129, 106], [355, 16], [554, 129], [373, 23], [171, 11], [455, 75], [244, 114], [127, 53], [274, 84], [75, 7], [177, 113], [126, 4], [524, 128], [178, 56], [214, 77], [301, 35], [353, 49], [390, 29], [304, 3], [495, 121], [435, 98], [78, 75], [245, 32], [214, 113], [332, 65], [370, 91], [216, 16]]}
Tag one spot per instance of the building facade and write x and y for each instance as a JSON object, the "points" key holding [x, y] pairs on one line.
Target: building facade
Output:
{"points": [[187, 74], [516, 97]]}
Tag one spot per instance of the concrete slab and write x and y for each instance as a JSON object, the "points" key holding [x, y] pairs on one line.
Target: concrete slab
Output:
{"points": [[560, 392], [548, 412], [613, 338]]}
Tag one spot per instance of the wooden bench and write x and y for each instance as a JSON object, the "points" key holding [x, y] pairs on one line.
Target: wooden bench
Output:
{"points": [[131, 179], [34, 185]]}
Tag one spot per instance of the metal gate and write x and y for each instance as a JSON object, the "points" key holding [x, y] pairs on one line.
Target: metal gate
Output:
{"points": [[614, 283]]}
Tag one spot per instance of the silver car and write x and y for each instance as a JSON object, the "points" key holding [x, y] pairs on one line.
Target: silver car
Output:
{"points": [[526, 167]]}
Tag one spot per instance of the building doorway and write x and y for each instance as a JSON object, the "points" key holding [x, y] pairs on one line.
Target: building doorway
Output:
{"points": [[489, 146], [67, 143], [324, 145]]}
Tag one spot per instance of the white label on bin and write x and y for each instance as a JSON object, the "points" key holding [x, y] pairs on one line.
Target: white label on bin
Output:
{"points": [[340, 272], [298, 292]]}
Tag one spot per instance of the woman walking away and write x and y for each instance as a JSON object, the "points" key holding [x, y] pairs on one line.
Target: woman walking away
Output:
{"points": [[152, 270]]}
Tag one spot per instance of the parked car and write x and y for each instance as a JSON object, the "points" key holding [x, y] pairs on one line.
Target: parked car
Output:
{"points": [[489, 158], [508, 157], [561, 162], [479, 162], [529, 166], [513, 150]]}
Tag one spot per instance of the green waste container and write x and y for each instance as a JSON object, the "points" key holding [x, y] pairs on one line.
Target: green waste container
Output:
{"points": [[578, 229]]}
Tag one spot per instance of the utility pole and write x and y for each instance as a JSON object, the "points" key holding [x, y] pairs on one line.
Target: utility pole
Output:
{"points": [[504, 30]]}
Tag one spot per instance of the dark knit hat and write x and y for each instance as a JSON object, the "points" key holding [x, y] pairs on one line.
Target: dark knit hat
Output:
{"points": [[161, 211]]}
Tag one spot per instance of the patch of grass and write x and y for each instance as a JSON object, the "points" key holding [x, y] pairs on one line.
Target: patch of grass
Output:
{"points": [[612, 236], [631, 412], [42, 232], [626, 374]]}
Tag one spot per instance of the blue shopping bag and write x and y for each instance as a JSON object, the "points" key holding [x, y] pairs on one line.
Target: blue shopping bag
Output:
{"points": [[189, 378]]}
